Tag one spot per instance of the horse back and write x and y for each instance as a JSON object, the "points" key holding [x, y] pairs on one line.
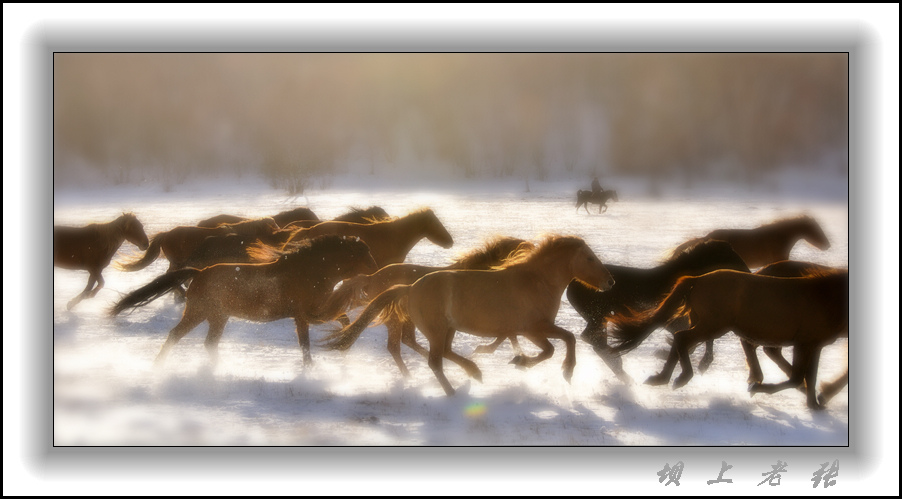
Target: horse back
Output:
{"points": [[83, 247], [481, 302], [771, 311]]}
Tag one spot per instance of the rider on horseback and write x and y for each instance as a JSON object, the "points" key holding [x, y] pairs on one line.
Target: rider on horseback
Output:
{"points": [[596, 187]]}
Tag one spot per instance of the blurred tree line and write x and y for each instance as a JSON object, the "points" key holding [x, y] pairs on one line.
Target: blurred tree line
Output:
{"points": [[295, 116]]}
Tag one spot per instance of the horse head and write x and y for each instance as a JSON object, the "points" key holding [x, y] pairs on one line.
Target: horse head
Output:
{"points": [[814, 234], [586, 267], [133, 231], [436, 231]]}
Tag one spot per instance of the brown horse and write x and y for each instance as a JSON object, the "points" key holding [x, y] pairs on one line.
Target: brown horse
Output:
{"points": [[179, 243], [521, 298], [356, 215], [792, 268], [803, 312], [769, 243], [282, 219], [357, 291], [583, 198], [389, 240], [92, 247], [293, 285]]}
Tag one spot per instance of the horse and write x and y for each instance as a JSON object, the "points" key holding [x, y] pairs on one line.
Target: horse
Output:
{"points": [[639, 289], [282, 219], [803, 312], [356, 215], [768, 243], [294, 284], [92, 248], [522, 297], [583, 198], [356, 291], [792, 268], [179, 243], [389, 240]]}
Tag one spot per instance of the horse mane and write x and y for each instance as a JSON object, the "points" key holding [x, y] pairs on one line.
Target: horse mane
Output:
{"points": [[495, 250], [326, 244], [550, 244], [696, 249], [372, 214]]}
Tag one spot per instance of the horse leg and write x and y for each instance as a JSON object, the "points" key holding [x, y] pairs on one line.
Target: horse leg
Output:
{"points": [[395, 335], [682, 344], [303, 332], [190, 320], [810, 377], [214, 334], [491, 347], [751, 358], [84, 294], [598, 338], [99, 278], [436, 354], [344, 320], [776, 354], [468, 365], [829, 390], [801, 354], [708, 358]]}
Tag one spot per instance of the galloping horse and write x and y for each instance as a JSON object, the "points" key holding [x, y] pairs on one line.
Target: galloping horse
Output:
{"points": [[390, 240], [282, 219], [179, 243], [792, 268], [356, 215], [520, 298], [358, 290], [640, 289], [600, 198], [92, 247], [769, 243], [233, 248], [293, 285], [803, 312]]}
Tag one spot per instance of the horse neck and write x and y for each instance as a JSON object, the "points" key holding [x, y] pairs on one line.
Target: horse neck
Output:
{"points": [[116, 229], [550, 268], [409, 230]]}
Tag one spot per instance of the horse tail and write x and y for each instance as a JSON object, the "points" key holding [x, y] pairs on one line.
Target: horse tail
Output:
{"points": [[344, 338], [344, 298], [632, 328], [153, 251], [155, 289]]}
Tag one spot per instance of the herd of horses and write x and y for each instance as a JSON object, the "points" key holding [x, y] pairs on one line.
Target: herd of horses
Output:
{"points": [[294, 265]]}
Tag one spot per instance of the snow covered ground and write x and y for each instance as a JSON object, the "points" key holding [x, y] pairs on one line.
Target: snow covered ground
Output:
{"points": [[106, 391]]}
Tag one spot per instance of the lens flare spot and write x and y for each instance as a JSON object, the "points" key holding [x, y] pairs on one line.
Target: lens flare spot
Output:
{"points": [[475, 410]]}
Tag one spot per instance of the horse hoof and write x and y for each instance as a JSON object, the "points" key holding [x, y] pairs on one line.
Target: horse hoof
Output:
{"points": [[754, 388], [517, 360], [703, 366], [681, 382], [655, 380]]}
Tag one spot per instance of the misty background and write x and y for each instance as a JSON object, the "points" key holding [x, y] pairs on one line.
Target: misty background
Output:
{"points": [[127, 118]]}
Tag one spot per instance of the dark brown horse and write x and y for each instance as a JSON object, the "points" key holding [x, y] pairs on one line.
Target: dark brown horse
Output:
{"points": [[294, 284], [641, 289], [359, 290], [389, 240], [583, 198], [521, 298], [803, 312], [179, 243], [356, 215], [282, 219], [792, 268], [769, 243], [92, 247]]}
